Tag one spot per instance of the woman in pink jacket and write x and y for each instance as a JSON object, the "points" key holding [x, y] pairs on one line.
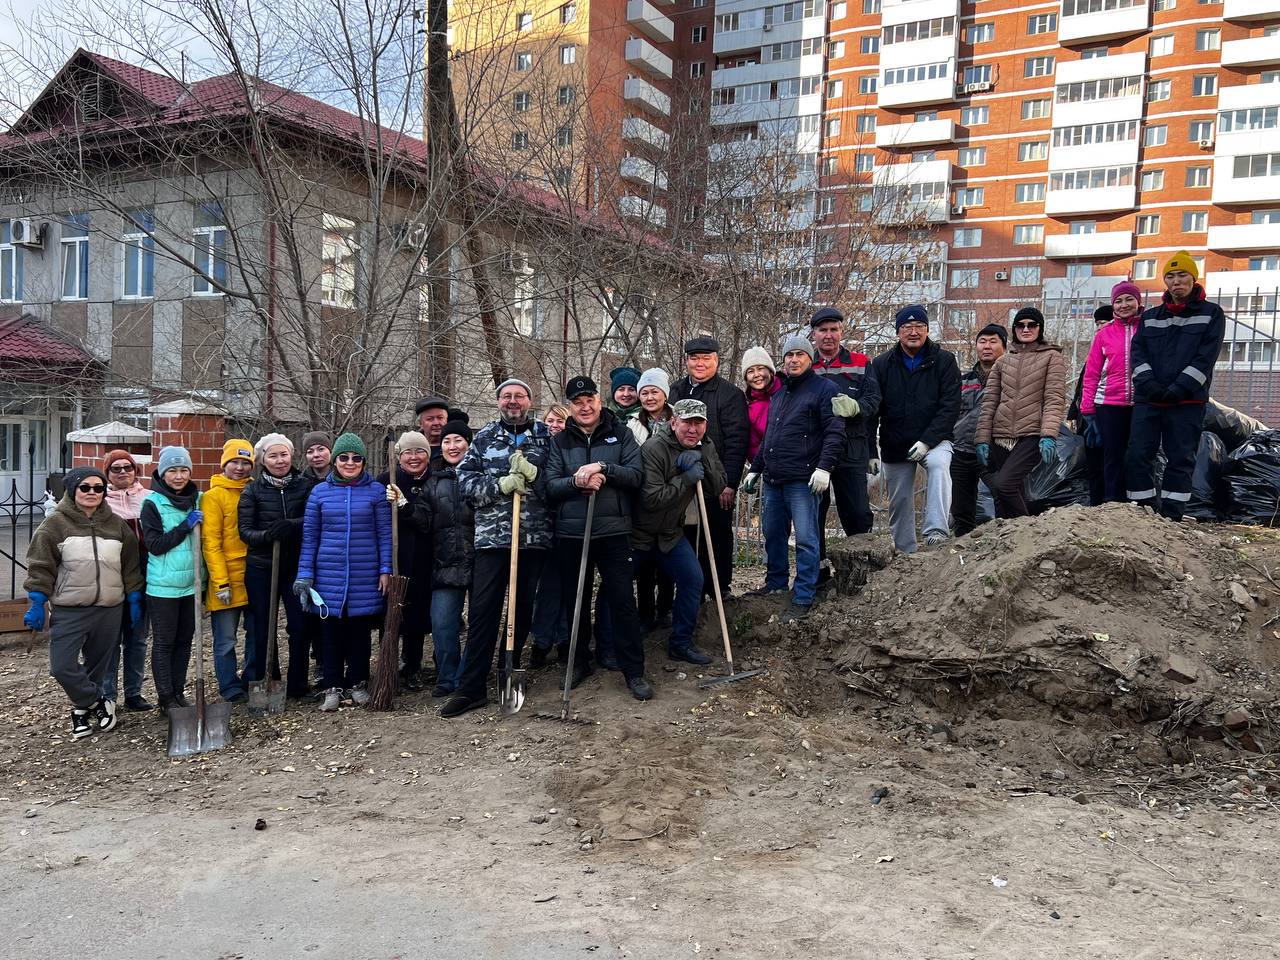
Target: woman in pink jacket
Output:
{"points": [[762, 383], [125, 494], [1106, 400]]}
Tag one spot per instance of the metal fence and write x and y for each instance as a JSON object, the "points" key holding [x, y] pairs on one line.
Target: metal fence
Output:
{"points": [[19, 517]]}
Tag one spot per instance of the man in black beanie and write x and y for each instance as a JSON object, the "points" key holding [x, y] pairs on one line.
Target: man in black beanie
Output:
{"points": [[966, 472]]}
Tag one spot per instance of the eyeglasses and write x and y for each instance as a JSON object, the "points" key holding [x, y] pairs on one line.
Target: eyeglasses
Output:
{"points": [[1027, 325], [91, 488], [915, 326], [350, 458], [122, 468]]}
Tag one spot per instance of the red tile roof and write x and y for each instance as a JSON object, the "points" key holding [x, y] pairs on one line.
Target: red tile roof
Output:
{"points": [[33, 351]]}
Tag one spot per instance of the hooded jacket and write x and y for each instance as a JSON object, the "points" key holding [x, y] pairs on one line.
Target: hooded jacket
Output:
{"points": [[261, 506], [127, 505], [346, 544], [1175, 348], [224, 551], [1108, 371], [613, 446], [915, 405], [487, 461], [82, 561], [665, 492], [971, 387], [728, 428], [1026, 394], [852, 375], [171, 568], [804, 434], [758, 415]]}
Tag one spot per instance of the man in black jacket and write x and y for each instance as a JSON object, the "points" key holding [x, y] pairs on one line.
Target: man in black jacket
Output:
{"points": [[729, 429], [596, 455], [919, 402], [801, 447], [966, 472]]}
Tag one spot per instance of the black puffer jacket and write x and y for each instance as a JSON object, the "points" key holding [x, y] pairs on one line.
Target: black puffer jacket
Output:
{"points": [[261, 506], [611, 444], [414, 534], [451, 520], [728, 424], [916, 405]]}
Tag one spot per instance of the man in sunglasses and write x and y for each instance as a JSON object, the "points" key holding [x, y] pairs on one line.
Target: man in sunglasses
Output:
{"points": [[125, 494]]}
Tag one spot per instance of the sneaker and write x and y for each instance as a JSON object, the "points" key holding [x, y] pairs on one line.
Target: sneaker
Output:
{"points": [[360, 694], [440, 691], [640, 688], [935, 538], [139, 703], [688, 653], [766, 591], [332, 698], [460, 704], [81, 727], [104, 715], [797, 611], [411, 680]]}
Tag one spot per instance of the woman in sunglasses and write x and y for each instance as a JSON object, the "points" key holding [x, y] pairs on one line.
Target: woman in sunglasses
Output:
{"points": [[1022, 410], [345, 568], [83, 560]]}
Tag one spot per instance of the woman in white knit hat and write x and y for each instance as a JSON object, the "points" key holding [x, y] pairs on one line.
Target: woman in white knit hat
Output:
{"points": [[653, 388], [762, 383], [655, 592]]}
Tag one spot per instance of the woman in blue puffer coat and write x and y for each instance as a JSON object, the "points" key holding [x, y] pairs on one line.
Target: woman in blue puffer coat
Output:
{"points": [[345, 568]]}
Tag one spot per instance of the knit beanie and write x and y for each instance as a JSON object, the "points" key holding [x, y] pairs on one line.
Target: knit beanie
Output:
{"points": [[994, 329], [459, 415], [73, 478], [171, 457], [797, 342], [655, 377], [349, 443], [236, 450], [1181, 261], [915, 313], [458, 428], [623, 377], [512, 382], [1104, 314], [1129, 287], [1029, 313], [309, 440], [114, 455], [411, 440], [271, 440], [757, 356]]}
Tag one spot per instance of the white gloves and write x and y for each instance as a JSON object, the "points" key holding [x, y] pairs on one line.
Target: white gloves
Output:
{"points": [[395, 496], [224, 596], [843, 405], [819, 481], [873, 468], [751, 482], [919, 450]]}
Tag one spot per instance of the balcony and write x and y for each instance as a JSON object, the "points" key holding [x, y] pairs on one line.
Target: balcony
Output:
{"points": [[638, 208], [642, 171], [650, 21], [1103, 25], [912, 212], [1243, 236], [1246, 11], [1253, 52], [1080, 288], [764, 111], [637, 130], [900, 174], [908, 11], [646, 96], [1119, 152], [1229, 189], [914, 134], [806, 66], [1245, 97], [643, 55], [1090, 200], [1076, 246], [918, 93], [751, 39], [1242, 282], [1099, 111]]}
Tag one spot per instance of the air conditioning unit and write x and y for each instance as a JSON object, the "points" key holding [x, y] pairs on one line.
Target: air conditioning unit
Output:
{"points": [[519, 263], [1002, 274], [25, 232], [1206, 144], [958, 210], [981, 86], [768, 28]]}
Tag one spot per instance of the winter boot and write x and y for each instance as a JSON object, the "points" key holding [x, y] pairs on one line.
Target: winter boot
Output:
{"points": [[332, 698], [360, 694]]}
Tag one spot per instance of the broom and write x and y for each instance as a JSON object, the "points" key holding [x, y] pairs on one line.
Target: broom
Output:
{"points": [[386, 680]]}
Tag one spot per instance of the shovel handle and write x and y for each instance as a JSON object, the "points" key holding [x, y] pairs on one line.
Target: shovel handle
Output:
{"points": [[577, 606], [273, 649], [715, 578], [198, 567], [511, 573]]}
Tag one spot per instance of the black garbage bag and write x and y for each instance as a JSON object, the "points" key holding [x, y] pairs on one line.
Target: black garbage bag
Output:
{"points": [[1208, 490], [1063, 482], [1252, 475], [1229, 425]]}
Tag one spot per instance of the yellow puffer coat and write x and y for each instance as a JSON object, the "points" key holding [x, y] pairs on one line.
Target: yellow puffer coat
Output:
{"points": [[224, 551]]}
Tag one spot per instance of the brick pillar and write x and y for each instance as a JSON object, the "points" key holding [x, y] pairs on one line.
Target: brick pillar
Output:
{"points": [[90, 445], [196, 425]]}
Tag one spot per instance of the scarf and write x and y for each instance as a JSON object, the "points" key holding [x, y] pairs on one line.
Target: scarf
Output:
{"points": [[279, 482]]}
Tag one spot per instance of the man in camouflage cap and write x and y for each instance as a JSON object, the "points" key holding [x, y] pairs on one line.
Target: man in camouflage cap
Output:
{"points": [[676, 459]]}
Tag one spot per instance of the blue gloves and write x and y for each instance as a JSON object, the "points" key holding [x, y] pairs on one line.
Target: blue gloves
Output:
{"points": [[1092, 432], [1048, 449], [34, 617], [687, 459], [695, 473], [135, 606], [983, 450], [194, 517]]}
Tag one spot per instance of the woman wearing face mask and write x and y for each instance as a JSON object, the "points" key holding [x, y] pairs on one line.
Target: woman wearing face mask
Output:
{"points": [[83, 560], [1106, 399], [1022, 408], [762, 383], [413, 453], [270, 512], [169, 514], [224, 554], [346, 564]]}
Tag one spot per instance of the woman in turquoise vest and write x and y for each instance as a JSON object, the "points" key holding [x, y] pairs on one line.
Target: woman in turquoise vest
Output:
{"points": [[169, 514]]}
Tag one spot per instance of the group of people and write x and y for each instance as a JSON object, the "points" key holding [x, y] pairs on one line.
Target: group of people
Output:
{"points": [[638, 487]]}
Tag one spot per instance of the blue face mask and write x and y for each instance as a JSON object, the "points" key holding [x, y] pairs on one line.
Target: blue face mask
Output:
{"points": [[318, 604]]}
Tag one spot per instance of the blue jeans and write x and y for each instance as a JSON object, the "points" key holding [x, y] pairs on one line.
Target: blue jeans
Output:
{"points": [[550, 628], [133, 640], [446, 628], [223, 624], [679, 563], [788, 505]]}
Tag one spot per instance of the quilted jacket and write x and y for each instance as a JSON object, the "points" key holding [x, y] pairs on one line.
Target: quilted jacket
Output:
{"points": [[346, 544]]}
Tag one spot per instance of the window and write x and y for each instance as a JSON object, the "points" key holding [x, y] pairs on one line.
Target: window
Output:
{"points": [[913, 74], [1198, 130], [564, 96], [1036, 109], [1033, 150], [868, 84], [1161, 46], [1151, 180], [1025, 276], [967, 237], [569, 54], [1079, 271], [1037, 67], [922, 116], [1210, 39], [11, 264], [209, 249], [970, 196], [1028, 233], [870, 6], [838, 10], [918, 30], [972, 156], [1042, 23], [1093, 178], [1155, 135], [866, 123], [831, 165], [520, 101], [697, 69], [524, 21], [833, 127], [1259, 263], [1197, 176], [75, 257], [1029, 192], [1088, 133], [1265, 216], [520, 140], [1162, 5], [698, 4], [1085, 91], [868, 44], [1094, 53], [1256, 118], [1204, 85], [835, 89], [864, 162], [1159, 90], [564, 135], [1269, 76], [1071, 8], [1257, 165], [835, 49], [1083, 228], [975, 116], [1148, 224], [965, 278], [698, 35], [1195, 221], [524, 62], [826, 206], [1144, 269], [563, 176], [338, 261], [982, 32], [979, 73]]}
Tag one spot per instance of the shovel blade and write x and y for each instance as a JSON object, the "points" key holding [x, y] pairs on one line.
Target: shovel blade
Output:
{"points": [[512, 698], [187, 736], [731, 678], [266, 696]]}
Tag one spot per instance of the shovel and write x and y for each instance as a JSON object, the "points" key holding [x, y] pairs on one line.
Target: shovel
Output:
{"points": [[724, 627], [577, 617], [199, 728], [511, 696], [267, 696]]}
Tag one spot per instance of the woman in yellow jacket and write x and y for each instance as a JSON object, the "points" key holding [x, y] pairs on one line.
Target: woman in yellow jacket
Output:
{"points": [[224, 553]]}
